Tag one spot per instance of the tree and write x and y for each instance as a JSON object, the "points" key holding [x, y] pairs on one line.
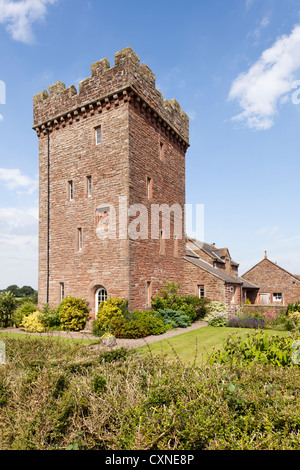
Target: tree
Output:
{"points": [[8, 305], [26, 291], [14, 289]]}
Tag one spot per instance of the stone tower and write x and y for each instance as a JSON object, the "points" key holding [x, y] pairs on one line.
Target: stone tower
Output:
{"points": [[109, 155]]}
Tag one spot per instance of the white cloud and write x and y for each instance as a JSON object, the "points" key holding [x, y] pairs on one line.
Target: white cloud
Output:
{"points": [[18, 246], [20, 16], [261, 90], [1, 117], [13, 179]]}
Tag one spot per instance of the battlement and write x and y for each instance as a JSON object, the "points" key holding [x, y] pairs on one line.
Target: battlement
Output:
{"points": [[126, 81]]}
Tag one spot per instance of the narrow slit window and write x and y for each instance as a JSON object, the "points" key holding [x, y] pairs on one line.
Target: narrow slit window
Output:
{"points": [[62, 291], [149, 294], [161, 152], [162, 242], [149, 188], [71, 190], [98, 135], [89, 186], [79, 234], [176, 246]]}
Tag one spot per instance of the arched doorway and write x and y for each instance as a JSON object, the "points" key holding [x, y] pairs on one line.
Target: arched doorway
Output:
{"points": [[100, 297]]}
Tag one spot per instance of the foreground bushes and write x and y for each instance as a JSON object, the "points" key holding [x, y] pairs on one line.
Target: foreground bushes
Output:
{"points": [[58, 395]]}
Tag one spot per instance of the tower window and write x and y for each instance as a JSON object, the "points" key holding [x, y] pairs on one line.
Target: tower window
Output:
{"points": [[71, 190], [162, 242], [149, 188], [149, 293], [161, 151], [98, 135], [89, 186], [62, 291], [79, 239], [176, 246]]}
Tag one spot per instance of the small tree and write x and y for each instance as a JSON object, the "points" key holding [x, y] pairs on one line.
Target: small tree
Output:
{"points": [[8, 305]]}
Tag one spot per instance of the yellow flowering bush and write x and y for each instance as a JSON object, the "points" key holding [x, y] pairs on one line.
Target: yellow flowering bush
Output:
{"points": [[108, 311], [32, 323]]}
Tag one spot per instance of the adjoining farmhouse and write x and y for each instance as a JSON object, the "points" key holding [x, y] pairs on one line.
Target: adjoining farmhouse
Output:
{"points": [[276, 285], [212, 273]]}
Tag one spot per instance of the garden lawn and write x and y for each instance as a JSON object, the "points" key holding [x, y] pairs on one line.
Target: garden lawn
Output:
{"points": [[194, 346], [4, 335]]}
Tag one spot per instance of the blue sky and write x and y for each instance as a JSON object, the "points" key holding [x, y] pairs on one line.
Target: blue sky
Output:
{"points": [[231, 65]]}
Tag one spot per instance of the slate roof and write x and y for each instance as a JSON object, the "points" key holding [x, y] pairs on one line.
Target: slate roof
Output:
{"points": [[216, 253], [192, 257]]}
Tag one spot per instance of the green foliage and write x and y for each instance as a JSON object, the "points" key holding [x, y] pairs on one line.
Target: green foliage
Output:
{"points": [[50, 318], [7, 307], [256, 348], [191, 306], [177, 319], [119, 354], [292, 308], [99, 384], [73, 313], [128, 401], [25, 291], [25, 309], [114, 308]]}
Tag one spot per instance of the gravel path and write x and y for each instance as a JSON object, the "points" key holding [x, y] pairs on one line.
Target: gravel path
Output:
{"points": [[126, 343]]}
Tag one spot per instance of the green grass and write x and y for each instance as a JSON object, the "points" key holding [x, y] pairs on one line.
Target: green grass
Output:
{"points": [[4, 335], [195, 345]]}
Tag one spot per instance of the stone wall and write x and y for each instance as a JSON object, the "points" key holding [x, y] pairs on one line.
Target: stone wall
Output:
{"points": [[273, 279]]}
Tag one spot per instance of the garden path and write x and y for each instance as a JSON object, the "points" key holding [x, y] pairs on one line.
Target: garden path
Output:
{"points": [[126, 343]]}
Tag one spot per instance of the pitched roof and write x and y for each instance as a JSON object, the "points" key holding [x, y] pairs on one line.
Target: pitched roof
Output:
{"points": [[213, 251], [192, 257], [274, 264]]}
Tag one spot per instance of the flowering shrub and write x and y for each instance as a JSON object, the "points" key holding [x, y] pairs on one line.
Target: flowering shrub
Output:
{"points": [[107, 312], [216, 314], [271, 317], [246, 322], [32, 323], [73, 313]]}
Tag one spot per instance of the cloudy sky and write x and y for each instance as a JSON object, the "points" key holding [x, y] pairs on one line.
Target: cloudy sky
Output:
{"points": [[234, 67]]}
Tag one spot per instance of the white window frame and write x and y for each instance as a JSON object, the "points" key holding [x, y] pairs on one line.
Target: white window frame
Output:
{"points": [[232, 291], [103, 297], [275, 299], [79, 234], [62, 291], [89, 186], [98, 135], [201, 289]]}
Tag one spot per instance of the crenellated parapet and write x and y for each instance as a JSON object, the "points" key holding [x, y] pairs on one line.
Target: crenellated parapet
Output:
{"points": [[107, 87]]}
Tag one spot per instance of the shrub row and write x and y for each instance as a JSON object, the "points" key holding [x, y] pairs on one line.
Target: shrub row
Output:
{"points": [[169, 310], [58, 395]]}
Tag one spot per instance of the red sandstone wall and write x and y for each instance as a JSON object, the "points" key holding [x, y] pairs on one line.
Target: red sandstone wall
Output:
{"points": [[194, 276], [272, 279], [168, 178], [74, 156]]}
